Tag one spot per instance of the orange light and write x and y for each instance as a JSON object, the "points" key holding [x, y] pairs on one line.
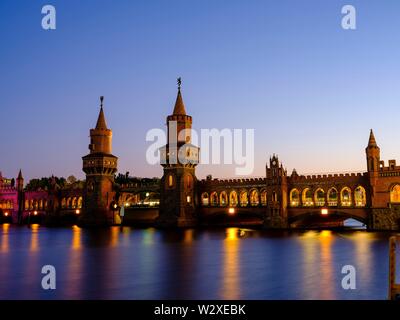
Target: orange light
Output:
{"points": [[6, 214], [324, 212], [115, 206], [231, 210], [78, 211], [35, 213]]}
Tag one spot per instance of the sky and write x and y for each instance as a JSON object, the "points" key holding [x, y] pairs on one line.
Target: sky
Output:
{"points": [[287, 69]]}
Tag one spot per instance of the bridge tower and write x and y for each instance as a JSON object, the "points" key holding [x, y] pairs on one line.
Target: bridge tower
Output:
{"points": [[178, 159], [277, 190], [100, 166], [373, 164], [21, 200]]}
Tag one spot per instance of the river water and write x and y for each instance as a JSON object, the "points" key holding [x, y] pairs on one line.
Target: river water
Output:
{"points": [[231, 263]]}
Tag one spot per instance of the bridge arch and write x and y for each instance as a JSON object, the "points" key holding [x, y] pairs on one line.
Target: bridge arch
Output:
{"points": [[307, 197], [360, 196], [223, 199], [263, 197], [244, 199], [254, 197], [294, 197], [332, 197], [214, 199]]}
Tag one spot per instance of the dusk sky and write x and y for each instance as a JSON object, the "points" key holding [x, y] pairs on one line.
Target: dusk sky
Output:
{"points": [[310, 89]]}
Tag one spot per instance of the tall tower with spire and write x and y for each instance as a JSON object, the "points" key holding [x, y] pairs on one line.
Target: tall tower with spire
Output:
{"points": [[21, 200], [99, 166], [373, 154], [179, 159]]}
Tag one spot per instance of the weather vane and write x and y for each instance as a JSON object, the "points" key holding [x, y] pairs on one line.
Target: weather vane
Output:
{"points": [[179, 83], [101, 101]]}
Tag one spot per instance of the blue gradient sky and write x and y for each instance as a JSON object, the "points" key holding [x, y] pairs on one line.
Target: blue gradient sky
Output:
{"points": [[310, 89]]}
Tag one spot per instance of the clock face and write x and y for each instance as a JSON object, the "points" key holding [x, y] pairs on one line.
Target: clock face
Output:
{"points": [[274, 163]]}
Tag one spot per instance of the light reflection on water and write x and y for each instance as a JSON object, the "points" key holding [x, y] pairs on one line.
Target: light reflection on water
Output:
{"points": [[232, 263]]}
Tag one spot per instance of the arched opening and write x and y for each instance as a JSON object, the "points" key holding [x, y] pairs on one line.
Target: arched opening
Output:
{"points": [[188, 181], [345, 197], [204, 199], [360, 197], [263, 198], [74, 202], [41, 204], [254, 200], [332, 197], [319, 197], [214, 199], [274, 196], [244, 199], [233, 199], [63, 203], [294, 197], [170, 181], [223, 199], [395, 194], [80, 200], [307, 197]]}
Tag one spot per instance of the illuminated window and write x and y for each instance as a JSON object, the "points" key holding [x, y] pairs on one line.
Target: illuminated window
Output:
{"points": [[233, 199], [294, 198], [319, 197], [170, 181], [395, 194], [188, 199], [223, 199], [307, 197], [214, 199], [204, 199], [360, 197], [264, 198], [244, 199], [345, 197], [63, 203], [80, 200], [254, 201], [189, 181], [332, 197]]}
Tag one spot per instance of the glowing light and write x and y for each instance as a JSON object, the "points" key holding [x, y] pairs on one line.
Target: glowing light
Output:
{"points": [[6, 214], [127, 204], [35, 213], [78, 211], [188, 199], [115, 206], [147, 194], [324, 212], [231, 210]]}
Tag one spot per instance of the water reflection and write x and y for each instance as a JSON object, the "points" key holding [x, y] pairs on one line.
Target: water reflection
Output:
{"points": [[34, 246], [4, 238], [326, 265], [231, 265]]}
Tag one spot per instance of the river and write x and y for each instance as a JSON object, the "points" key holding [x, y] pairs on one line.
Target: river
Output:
{"points": [[231, 263]]}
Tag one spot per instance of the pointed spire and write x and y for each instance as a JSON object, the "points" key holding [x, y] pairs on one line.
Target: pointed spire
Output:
{"points": [[179, 108], [20, 177], [372, 141], [101, 121]]}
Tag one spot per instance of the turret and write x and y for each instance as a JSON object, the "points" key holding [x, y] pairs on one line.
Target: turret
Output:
{"points": [[373, 154]]}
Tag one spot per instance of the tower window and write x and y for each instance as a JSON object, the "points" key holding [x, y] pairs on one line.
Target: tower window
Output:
{"points": [[170, 180], [188, 199]]}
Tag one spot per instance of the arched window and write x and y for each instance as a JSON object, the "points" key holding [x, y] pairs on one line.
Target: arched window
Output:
{"points": [[41, 204], [395, 194], [223, 199], [35, 204], [244, 199], [80, 200], [345, 197], [74, 203], [254, 201], [26, 204], [294, 198], [332, 197], [204, 199], [170, 180], [360, 197], [319, 197], [233, 199], [63, 203], [307, 197], [189, 181], [214, 199], [31, 205], [69, 203], [264, 197], [274, 196]]}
